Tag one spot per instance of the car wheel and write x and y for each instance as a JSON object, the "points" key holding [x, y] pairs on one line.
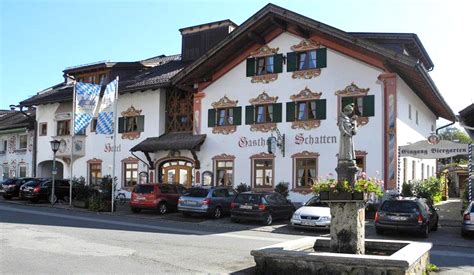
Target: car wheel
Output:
{"points": [[379, 231], [268, 219], [7, 197], [234, 220], [425, 232], [162, 208], [136, 210], [217, 214]]}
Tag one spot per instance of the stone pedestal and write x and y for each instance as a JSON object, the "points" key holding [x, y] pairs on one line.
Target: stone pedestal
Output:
{"points": [[346, 170], [347, 227]]}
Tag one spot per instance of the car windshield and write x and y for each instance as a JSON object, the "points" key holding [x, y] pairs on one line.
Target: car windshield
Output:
{"points": [[248, 198], [196, 192], [316, 202], [400, 206], [31, 183], [143, 189]]}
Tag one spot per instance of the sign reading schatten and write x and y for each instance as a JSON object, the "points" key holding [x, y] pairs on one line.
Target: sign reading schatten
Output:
{"points": [[424, 150]]}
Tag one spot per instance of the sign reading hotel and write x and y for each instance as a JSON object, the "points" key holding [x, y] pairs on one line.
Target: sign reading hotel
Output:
{"points": [[299, 139], [425, 150]]}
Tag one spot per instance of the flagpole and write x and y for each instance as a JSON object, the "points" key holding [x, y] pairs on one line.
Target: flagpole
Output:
{"points": [[72, 139], [114, 144]]}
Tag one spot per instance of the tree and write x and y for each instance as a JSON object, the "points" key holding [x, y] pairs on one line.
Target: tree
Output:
{"points": [[456, 135]]}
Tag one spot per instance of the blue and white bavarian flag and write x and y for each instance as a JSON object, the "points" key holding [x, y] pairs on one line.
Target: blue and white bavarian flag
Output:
{"points": [[105, 120], [87, 98]]}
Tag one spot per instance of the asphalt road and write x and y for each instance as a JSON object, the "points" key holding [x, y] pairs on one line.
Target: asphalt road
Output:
{"points": [[39, 240]]}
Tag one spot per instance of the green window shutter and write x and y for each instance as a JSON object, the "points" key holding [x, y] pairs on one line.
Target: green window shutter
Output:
{"points": [[368, 103], [320, 109], [211, 117], [278, 63], [346, 100], [321, 58], [277, 110], [290, 111], [237, 112], [141, 123], [250, 66], [121, 124], [291, 62], [249, 115]]}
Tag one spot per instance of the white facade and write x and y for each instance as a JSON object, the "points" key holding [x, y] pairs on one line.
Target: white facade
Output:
{"points": [[16, 158], [99, 148]]}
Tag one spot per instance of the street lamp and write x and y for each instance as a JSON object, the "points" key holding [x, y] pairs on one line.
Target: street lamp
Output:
{"points": [[55, 147]]}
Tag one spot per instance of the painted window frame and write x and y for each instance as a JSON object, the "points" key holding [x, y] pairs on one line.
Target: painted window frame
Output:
{"points": [[93, 172], [225, 168], [259, 158], [43, 129], [304, 156], [19, 146], [25, 167], [125, 168], [63, 127]]}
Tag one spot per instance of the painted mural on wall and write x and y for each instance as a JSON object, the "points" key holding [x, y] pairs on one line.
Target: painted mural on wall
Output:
{"points": [[11, 144]]}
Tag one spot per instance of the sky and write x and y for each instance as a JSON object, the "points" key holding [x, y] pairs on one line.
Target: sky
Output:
{"points": [[40, 38]]}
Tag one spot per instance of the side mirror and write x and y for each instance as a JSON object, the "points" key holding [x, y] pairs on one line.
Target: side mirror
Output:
{"points": [[436, 208]]}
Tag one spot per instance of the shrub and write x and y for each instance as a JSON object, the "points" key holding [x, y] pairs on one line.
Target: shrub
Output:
{"points": [[282, 188], [407, 189], [95, 202], [430, 189], [242, 187]]}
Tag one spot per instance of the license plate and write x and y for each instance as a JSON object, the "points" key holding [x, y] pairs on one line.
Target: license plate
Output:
{"points": [[398, 218], [310, 223], [140, 198], [192, 202], [246, 207]]}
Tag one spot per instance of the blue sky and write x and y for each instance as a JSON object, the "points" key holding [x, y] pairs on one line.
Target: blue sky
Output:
{"points": [[39, 39]]}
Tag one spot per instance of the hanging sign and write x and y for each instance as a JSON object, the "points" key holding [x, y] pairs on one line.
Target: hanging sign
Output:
{"points": [[426, 150]]}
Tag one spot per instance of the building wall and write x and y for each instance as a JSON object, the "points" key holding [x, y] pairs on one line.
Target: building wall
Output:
{"points": [[340, 72], [12, 157], [409, 131], [100, 147]]}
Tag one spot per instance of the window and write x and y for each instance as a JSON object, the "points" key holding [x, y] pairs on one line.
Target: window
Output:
{"points": [[306, 110], [427, 171], [409, 111], [22, 172], [405, 170], [306, 60], [416, 117], [225, 116], [263, 173], [63, 128], [5, 172], [264, 113], [224, 172], [130, 173], [265, 65], [360, 162], [413, 169], [131, 124], [93, 124], [95, 172], [422, 171], [23, 142], [43, 129], [306, 173], [363, 105], [432, 128], [4, 146]]}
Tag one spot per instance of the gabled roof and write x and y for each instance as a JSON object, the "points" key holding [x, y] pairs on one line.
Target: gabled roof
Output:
{"points": [[466, 116], [15, 119], [271, 17]]}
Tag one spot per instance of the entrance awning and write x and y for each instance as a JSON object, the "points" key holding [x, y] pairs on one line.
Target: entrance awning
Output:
{"points": [[168, 142]]}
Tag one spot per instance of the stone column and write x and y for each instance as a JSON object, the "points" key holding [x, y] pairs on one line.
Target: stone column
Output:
{"points": [[348, 227]]}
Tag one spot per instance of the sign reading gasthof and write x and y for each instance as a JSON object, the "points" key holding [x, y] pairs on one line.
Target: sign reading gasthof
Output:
{"points": [[424, 150]]}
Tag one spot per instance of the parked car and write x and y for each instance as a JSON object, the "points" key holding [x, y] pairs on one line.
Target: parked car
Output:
{"points": [[40, 189], [160, 197], [212, 201], [406, 214], [468, 220], [261, 206], [314, 214], [11, 188]]}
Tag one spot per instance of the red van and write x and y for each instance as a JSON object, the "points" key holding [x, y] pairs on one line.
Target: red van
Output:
{"points": [[156, 196]]}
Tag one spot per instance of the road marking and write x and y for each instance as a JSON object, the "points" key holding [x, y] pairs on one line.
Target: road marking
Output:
{"points": [[445, 253], [145, 226]]}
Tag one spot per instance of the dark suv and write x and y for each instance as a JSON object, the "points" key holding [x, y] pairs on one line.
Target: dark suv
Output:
{"points": [[40, 189], [213, 201], [406, 214], [160, 197], [11, 187]]}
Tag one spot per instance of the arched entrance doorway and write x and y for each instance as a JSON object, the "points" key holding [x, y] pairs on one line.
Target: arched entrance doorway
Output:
{"points": [[177, 171], [46, 167]]}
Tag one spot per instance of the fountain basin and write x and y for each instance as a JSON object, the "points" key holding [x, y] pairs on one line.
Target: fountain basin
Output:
{"points": [[310, 255]]}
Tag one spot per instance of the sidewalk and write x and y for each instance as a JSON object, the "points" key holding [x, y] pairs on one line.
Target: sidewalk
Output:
{"points": [[450, 212]]}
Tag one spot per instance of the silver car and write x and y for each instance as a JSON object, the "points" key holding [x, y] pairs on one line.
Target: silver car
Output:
{"points": [[211, 201], [468, 220]]}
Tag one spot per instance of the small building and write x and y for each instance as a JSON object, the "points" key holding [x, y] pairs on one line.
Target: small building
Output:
{"points": [[17, 131]]}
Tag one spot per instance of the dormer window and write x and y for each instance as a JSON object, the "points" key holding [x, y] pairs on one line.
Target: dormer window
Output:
{"points": [[306, 60]]}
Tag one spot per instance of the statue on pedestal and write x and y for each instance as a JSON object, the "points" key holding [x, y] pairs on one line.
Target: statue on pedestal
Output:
{"points": [[347, 123]]}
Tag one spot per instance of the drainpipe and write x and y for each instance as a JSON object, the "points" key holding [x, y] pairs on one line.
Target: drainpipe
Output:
{"points": [[442, 127]]}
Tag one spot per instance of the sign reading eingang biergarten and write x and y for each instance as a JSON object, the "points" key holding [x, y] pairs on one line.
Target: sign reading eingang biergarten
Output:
{"points": [[424, 150]]}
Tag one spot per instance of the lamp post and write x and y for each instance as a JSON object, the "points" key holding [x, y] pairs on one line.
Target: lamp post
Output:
{"points": [[55, 147]]}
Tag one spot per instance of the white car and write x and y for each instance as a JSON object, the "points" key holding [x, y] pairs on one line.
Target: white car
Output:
{"points": [[314, 214]]}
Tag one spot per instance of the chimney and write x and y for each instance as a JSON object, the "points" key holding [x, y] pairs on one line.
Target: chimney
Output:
{"points": [[197, 40]]}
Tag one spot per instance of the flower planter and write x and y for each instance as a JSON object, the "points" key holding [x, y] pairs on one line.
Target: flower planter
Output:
{"points": [[341, 196], [324, 195]]}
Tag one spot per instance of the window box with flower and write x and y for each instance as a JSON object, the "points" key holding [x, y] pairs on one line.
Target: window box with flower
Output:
{"points": [[330, 189]]}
